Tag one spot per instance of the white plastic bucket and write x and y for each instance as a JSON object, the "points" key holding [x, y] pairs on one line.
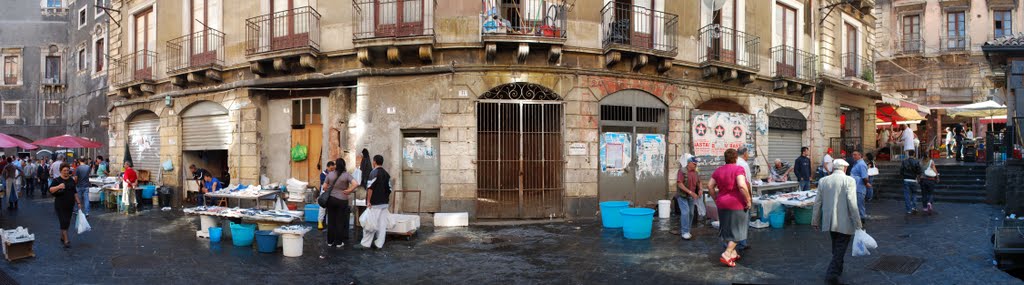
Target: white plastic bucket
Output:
{"points": [[292, 245], [205, 222], [664, 209]]}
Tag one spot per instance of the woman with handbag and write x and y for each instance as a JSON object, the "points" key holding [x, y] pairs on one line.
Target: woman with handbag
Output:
{"points": [[63, 190], [340, 186], [872, 172], [928, 181]]}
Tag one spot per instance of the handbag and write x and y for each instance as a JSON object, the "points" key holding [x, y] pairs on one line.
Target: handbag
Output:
{"points": [[873, 171], [928, 170], [326, 195]]}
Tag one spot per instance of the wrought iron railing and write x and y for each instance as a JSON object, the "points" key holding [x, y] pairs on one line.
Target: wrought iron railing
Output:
{"points": [[955, 43], [793, 63], [911, 45], [134, 67], [392, 18], [638, 27], [537, 18], [202, 49], [856, 66], [722, 45], [284, 30]]}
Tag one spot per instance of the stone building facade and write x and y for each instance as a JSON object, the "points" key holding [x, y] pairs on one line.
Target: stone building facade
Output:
{"points": [[531, 110], [46, 90]]}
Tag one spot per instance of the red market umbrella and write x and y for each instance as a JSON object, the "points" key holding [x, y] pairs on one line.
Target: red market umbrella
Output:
{"points": [[68, 141], [9, 142], [887, 113]]}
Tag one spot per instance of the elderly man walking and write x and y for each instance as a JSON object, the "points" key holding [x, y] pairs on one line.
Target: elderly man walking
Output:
{"points": [[836, 211]]}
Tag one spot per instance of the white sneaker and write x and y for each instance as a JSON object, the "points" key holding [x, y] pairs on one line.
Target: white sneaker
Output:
{"points": [[687, 236]]}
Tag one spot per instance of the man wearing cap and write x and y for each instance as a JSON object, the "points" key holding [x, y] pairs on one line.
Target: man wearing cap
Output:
{"points": [[835, 211], [826, 162], [687, 192]]}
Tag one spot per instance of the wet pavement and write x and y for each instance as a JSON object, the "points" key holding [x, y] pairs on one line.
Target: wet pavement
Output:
{"points": [[161, 248]]}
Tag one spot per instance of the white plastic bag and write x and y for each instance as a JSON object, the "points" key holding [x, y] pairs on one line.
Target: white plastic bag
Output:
{"points": [[702, 209], [82, 224], [168, 165], [862, 242], [369, 219]]}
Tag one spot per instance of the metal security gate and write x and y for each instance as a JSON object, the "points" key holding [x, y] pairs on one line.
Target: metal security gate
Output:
{"points": [[206, 126], [632, 153], [520, 161], [784, 145], [144, 142]]}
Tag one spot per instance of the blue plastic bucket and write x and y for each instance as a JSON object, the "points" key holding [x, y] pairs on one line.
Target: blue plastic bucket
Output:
{"points": [[610, 217], [777, 219], [312, 213], [266, 241], [242, 234], [148, 191], [636, 222], [761, 215], [215, 233]]}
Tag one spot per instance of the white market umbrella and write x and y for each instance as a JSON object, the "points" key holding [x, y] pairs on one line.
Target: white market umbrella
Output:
{"points": [[987, 109]]}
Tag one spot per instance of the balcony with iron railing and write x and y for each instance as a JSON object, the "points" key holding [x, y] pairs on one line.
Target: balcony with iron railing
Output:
{"points": [[133, 68], [391, 22], [954, 44], [541, 21], [726, 47], [856, 67], [910, 45], [202, 50], [283, 33], [793, 64], [134, 73], [638, 29]]}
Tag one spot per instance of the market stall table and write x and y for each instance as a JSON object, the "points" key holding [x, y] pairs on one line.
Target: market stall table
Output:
{"points": [[772, 187], [242, 195], [265, 217]]}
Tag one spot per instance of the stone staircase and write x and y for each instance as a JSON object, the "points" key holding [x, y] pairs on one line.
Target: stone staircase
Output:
{"points": [[957, 183]]}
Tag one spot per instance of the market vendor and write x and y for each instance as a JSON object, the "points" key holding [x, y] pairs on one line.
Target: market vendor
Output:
{"points": [[780, 171], [210, 185], [197, 174]]}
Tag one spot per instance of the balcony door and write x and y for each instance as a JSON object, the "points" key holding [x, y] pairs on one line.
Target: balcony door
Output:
{"points": [[852, 46], [723, 44], [145, 43], [289, 27], [405, 17], [912, 33], [203, 51], [956, 31], [785, 22], [634, 20]]}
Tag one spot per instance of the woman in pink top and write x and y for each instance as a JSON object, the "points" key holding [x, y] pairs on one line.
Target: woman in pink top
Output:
{"points": [[729, 187]]}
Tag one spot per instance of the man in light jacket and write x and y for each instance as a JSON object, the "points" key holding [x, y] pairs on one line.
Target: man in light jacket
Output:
{"points": [[836, 211]]}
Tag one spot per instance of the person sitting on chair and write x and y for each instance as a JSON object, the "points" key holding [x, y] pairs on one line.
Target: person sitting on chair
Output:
{"points": [[210, 185]]}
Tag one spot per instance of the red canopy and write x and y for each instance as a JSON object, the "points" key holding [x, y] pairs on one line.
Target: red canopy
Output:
{"points": [[68, 141], [887, 113], [9, 142]]}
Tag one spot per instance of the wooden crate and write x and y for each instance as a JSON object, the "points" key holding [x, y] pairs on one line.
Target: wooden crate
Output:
{"points": [[15, 251]]}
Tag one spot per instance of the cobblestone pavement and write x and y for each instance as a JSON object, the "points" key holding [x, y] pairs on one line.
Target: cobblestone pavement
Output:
{"points": [[160, 248]]}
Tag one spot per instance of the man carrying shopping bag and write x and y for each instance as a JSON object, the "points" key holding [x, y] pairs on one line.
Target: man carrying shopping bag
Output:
{"points": [[376, 219], [836, 211]]}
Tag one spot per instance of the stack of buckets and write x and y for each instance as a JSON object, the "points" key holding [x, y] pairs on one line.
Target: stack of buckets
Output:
{"points": [[635, 222]]}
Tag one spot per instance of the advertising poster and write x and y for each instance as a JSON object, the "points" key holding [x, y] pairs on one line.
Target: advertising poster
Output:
{"points": [[714, 132]]}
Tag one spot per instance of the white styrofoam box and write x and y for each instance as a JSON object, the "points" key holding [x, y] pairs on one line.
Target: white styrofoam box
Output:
{"points": [[404, 223], [460, 219], [94, 196]]}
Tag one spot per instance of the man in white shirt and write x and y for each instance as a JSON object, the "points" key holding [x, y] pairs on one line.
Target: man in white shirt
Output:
{"points": [[827, 161], [908, 138], [970, 133], [744, 154], [949, 143]]}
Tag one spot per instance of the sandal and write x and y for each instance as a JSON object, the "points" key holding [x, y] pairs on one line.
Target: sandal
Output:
{"points": [[727, 262]]}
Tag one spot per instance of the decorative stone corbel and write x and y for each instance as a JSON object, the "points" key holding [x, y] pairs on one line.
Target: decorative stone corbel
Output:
{"points": [[522, 53], [639, 61], [709, 71], [612, 58], [256, 68], [729, 75], [196, 77], [213, 75], [394, 56], [747, 78], [664, 65], [491, 50], [555, 54], [307, 61], [281, 65], [363, 54], [179, 81], [426, 54]]}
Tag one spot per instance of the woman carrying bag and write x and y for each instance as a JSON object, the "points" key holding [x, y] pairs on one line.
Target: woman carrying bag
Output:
{"points": [[928, 181], [340, 186], [63, 190]]}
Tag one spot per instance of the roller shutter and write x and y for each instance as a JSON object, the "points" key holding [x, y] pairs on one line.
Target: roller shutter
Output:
{"points": [[144, 142], [206, 132]]}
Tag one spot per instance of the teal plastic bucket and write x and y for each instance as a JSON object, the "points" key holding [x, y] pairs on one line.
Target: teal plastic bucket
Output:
{"points": [[761, 215], [610, 217], [242, 234], [266, 241], [637, 222], [148, 191], [777, 219], [215, 233], [802, 216]]}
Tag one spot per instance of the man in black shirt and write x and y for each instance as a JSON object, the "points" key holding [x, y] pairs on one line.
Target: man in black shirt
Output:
{"points": [[198, 174], [378, 195]]}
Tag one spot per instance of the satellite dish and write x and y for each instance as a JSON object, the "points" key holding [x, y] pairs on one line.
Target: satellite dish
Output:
{"points": [[715, 4]]}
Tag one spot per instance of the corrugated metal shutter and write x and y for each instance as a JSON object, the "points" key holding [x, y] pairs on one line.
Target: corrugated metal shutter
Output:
{"points": [[144, 143], [784, 145], [206, 132]]}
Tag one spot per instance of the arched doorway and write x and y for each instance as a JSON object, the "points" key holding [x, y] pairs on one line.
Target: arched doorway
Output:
{"points": [[632, 151], [520, 164], [785, 134], [144, 141], [206, 134]]}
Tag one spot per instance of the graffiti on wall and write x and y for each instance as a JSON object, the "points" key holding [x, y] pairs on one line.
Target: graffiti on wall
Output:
{"points": [[615, 152], [142, 144], [762, 122], [650, 151], [417, 148]]}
